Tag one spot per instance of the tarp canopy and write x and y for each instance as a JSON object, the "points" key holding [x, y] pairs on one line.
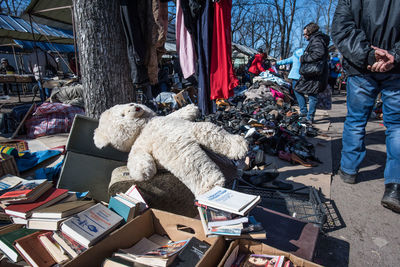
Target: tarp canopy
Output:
{"points": [[17, 28], [52, 10], [61, 48], [244, 49]]}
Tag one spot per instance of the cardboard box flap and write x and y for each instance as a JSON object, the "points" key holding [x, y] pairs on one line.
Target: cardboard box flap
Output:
{"points": [[80, 140], [178, 227]]}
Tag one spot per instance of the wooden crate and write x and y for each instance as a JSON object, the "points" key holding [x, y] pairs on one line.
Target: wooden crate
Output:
{"points": [[8, 165]]}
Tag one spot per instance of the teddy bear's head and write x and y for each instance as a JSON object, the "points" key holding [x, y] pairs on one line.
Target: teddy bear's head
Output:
{"points": [[120, 125]]}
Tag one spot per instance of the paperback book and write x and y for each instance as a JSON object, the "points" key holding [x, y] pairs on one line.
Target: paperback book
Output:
{"points": [[89, 226], [229, 200]]}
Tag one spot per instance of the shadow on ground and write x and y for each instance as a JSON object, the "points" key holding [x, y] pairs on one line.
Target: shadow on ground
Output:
{"points": [[332, 252]]}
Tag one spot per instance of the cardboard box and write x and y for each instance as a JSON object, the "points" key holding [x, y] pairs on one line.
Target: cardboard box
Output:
{"points": [[152, 222], [253, 247]]}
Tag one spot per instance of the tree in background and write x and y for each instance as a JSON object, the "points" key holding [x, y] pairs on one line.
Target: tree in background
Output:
{"points": [[103, 55], [13, 7]]}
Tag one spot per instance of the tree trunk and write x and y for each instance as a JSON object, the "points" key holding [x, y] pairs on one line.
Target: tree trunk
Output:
{"points": [[103, 57]]}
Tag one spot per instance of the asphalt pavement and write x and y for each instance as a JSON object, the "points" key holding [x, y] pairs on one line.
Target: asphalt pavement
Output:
{"points": [[361, 232]]}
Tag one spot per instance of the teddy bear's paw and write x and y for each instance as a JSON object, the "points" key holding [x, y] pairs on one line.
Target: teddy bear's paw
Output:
{"points": [[238, 147]]}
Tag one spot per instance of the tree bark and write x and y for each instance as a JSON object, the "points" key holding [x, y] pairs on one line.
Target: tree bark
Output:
{"points": [[103, 56]]}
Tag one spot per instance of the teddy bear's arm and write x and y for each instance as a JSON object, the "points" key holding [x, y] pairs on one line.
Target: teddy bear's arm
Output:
{"points": [[189, 112], [141, 165], [220, 141]]}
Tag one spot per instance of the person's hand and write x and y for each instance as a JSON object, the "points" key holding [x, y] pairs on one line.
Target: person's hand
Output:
{"points": [[273, 63], [384, 60]]}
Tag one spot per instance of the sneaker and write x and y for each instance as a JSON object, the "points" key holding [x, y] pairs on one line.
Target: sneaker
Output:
{"points": [[391, 197], [347, 178]]}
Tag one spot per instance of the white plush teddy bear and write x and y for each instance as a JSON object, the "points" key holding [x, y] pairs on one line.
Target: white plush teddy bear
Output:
{"points": [[173, 142]]}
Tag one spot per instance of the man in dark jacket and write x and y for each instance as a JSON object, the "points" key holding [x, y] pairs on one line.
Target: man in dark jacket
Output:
{"points": [[315, 52], [367, 33], [6, 68]]}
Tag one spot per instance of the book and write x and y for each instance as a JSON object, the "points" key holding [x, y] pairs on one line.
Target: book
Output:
{"points": [[7, 240], [32, 250], [123, 207], [162, 256], [150, 253], [228, 200], [120, 262], [134, 192], [227, 230], [25, 210], [44, 224], [191, 254], [218, 218], [53, 248], [25, 190], [89, 226], [72, 247], [9, 181], [17, 220], [263, 260], [62, 210]]}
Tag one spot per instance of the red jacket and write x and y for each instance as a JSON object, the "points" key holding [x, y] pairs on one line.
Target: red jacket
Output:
{"points": [[256, 66]]}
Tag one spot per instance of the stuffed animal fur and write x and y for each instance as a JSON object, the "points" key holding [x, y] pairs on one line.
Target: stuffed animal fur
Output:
{"points": [[173, 142]]}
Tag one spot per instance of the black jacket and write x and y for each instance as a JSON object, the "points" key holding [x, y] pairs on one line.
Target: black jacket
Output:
{"points": [[358, 24], [317, 50]]}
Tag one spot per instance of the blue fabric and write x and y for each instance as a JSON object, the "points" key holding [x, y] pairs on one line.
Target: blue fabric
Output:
{"points": [[204, 34], [312, 102], [332, 64], [30, 160], [49, 173], [361, 94], [295, 61]]}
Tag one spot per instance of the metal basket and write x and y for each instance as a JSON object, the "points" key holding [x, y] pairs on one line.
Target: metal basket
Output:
{"points": [[307, 207]]}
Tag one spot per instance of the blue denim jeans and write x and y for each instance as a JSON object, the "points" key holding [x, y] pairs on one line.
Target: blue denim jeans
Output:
{"points": [[312, 102], [361, 94], [44, 92]]}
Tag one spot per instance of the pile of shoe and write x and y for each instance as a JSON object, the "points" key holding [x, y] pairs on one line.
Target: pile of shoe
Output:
{"points": [[269, 123]]}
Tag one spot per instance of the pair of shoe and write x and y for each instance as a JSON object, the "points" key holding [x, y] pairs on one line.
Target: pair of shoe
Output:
{"points": [[391, 197]]}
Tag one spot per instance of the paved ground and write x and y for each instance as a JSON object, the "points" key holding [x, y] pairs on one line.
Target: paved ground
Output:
{"points": [[366, 233]]}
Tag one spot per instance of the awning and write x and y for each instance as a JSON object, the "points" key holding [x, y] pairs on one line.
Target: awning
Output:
{"points": [[54, 10], [17, 28]]}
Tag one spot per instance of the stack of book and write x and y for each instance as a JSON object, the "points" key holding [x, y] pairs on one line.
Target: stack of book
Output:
{"points": [[78, 233], [56, 225], [225, 212], [129, 204], [159, 251]]}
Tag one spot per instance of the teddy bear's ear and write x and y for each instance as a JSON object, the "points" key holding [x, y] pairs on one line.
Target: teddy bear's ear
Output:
{"points": [[100, 139]]}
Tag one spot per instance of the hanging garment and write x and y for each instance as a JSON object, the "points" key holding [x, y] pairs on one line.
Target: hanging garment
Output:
{"points": [[134, 16], [184, 44], [158, 29], [204, 37], [145, 30], [222, 78]]}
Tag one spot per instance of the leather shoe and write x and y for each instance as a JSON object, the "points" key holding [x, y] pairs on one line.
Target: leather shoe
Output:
{"points": [[347, 178], [391, 197]]}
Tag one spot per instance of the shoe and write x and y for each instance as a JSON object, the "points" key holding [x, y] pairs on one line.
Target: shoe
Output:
{"points": [[306, 163], [347, 178], [391, 197]]}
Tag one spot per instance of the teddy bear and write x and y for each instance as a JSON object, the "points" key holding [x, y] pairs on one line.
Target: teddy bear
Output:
{"points": [[174, 142]]}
